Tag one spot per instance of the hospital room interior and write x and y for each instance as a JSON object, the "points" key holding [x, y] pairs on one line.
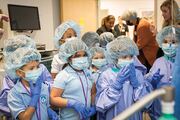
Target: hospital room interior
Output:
{"points": [[89, 60]]}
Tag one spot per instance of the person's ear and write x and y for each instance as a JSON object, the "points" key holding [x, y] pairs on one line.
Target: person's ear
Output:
{"points": [[20, 73]]}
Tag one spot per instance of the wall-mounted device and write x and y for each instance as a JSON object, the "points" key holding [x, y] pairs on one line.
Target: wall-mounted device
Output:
{"points": [[23, 18]]}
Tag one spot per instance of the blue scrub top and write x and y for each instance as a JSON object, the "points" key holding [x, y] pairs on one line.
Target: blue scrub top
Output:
{"points": [[69, 80], [19, 99]]}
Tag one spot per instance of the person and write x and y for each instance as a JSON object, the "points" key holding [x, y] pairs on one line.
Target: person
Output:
{"points": [[66, 30], [19, 41], [143, 37], [105, 38], [163, 66], [176, 79], [106, 25], [170, 12], [29, 98], [99, 62], [3, 17], [91, 39], [121, 28], [71, 91], [120, 86]]}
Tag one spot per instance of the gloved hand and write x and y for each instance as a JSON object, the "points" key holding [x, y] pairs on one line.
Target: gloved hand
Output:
{"points": [[92, 111], [133, 79], [79, 107], [35, 90], [52, 114], [156, 78], [122, 76]]}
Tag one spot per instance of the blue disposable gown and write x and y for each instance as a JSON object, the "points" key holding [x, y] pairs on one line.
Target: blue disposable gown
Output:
{"points": [[176, 83], [96, 74], [8, 83], [166, 68], [110, 102]]}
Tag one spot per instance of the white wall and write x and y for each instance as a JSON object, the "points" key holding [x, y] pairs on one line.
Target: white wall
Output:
{"points": [[117, 7], [49, 18]]}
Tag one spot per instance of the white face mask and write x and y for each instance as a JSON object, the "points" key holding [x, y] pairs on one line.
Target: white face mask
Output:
{"points": [[80, 63], [32, 75], [123, 62], [99, 62]]}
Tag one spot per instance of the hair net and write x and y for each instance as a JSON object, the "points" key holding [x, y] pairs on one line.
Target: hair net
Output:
{"points": [[19, 58], [70, 47], [61, 29], [105, 38], [16, 42], [91, 39], [95, 50], [167, 32], [178, 33], [129, 15], [120, 47]]}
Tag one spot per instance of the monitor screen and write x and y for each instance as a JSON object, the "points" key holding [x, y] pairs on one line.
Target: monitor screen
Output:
{"points": [[23, 17]]}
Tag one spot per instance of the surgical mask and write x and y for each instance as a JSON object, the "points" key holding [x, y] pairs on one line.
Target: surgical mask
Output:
{"points": [[80, 63], [32, 75], [99, 62], [123, 62], [169, 49]]}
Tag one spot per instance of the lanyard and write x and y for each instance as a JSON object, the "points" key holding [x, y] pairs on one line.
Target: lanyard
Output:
{"points": [[169, 70], [85, 94], [39, 118]]}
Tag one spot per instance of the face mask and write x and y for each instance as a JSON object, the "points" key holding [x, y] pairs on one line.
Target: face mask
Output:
{"points": [[80, 63], [169, 49], [99, 62], [124, 62], [32, 75]]}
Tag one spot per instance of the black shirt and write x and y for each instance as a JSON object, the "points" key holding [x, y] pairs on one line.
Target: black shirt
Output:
{"points": [[103, 29], [123, 31]]}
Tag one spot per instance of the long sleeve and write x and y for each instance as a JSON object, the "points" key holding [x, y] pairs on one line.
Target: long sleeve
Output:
{"points": [[176, 83], [143, 39], [144, 88], [106, 95]]}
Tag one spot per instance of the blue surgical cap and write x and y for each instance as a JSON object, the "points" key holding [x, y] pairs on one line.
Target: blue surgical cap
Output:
{"points": [[91, 39], [19, 58], [120, 47], [105, 38], [16, 42], [70, 47], [167, 32], [97, 49], [61, 29]]}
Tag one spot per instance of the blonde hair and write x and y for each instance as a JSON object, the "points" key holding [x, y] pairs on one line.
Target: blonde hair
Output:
{"points": [[174, 15], [106, 19]]}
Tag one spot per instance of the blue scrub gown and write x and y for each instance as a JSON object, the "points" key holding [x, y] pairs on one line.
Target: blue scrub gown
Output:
{"points": [[110, 102], [69, 80], [176, 83], [166, 69], [8, 83]]}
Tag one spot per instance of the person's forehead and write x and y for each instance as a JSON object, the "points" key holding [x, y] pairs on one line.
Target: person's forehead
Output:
{"points": [[30, 64], [98, 54], [80, 52]]}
